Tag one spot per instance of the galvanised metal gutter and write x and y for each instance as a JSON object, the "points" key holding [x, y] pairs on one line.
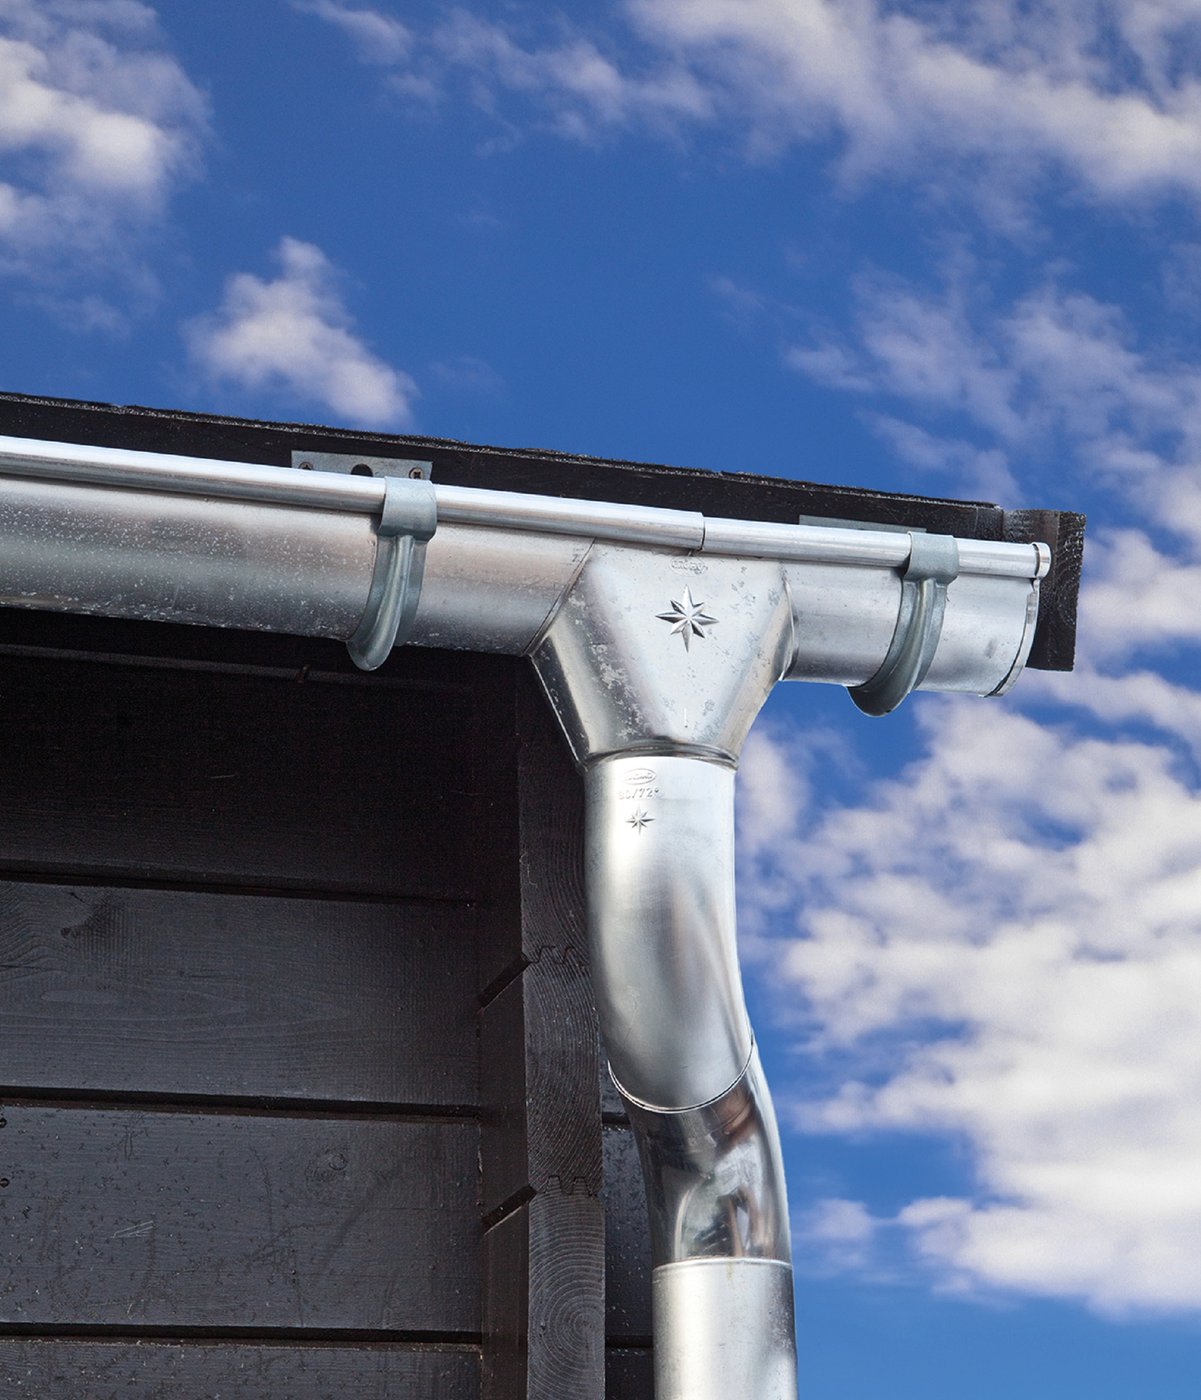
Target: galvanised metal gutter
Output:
{"points": [[657, 635]]}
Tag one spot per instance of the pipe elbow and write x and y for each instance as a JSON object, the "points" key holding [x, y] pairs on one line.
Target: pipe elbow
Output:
{"points": [[714, 1176]]}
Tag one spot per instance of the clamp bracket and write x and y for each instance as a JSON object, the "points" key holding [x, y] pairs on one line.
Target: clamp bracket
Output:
{"points": [[409, 518], [933, 565]]}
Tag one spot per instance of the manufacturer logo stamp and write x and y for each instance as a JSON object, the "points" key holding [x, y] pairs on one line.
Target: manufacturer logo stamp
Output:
{"points": [[641, 785]]}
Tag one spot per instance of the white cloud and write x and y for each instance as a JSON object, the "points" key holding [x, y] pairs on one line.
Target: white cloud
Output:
{"points": [[1141, 697], [983, 472], [377, 37], [835, 1235], [1137, 598], [1098, 91], [98, 125], [586, 89], [294, 335], [1111, 95], [1055, 380], [470, 375], [579, 87], [988, 94], [1004, 945]]}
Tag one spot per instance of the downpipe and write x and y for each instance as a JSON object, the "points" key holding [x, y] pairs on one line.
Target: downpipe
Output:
{"points": [[659, 872], [656, 676]]}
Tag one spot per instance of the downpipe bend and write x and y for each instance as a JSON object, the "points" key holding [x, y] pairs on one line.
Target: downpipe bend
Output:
{"points": [[656, 721], [659, 872]]}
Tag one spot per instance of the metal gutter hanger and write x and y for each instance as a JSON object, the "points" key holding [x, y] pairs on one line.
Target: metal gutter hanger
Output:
{"points": [[408, 518], [933, 566]]}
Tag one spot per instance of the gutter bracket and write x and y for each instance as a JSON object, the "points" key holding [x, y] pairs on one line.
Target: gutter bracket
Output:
{"points": [[409, 519], [933, 566]]}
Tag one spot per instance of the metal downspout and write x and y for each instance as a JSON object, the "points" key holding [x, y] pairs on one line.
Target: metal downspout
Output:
{"points": [[656, 667]]}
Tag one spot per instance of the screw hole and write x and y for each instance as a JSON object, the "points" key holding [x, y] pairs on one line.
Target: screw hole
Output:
{"points": [[3, 1182], [361, 469], [4, 1121]]}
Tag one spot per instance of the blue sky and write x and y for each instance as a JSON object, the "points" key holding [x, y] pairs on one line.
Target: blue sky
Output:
{"points": [[928, 246]]}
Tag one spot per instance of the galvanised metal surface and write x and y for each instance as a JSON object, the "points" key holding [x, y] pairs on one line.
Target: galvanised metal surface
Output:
{"points": [[987, 629], [505, 510], [493, 590], [715, 1177], [656, 666], [65, 462], [753, 539], [408, 519], [651, 648], [724, 1330], [120, 553], [932, 567], [659, 875]]}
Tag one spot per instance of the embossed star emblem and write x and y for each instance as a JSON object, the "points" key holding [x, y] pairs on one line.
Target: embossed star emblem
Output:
{"points": [[639, 820], [689, 617]]}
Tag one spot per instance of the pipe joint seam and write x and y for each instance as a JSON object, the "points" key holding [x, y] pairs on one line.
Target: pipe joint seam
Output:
{"points": [[714, 1176]]}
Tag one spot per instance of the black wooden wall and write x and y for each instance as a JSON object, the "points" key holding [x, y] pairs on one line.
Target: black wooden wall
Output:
{"points": [[299, 1086]]}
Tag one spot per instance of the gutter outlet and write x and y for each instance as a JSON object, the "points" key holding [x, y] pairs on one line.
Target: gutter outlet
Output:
{"points": [[656, 667]]}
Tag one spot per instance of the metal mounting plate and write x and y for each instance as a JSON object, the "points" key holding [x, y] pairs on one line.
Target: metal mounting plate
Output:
{"points": [[351, 464]]}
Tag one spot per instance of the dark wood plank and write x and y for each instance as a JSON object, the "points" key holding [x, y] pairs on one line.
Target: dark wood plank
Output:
{"points": [[1054, 646], [75, 1370], [544, 1311], [541, 1126], [204, 777], [128, 1219], [171, 992], [538, 1029], [539, 1083], [537, 809], [630, 1374], [627, 1241]]}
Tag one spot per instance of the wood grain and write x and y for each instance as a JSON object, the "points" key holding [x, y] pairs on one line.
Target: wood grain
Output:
{"points": [[126, 1219], [542, 1111], [537, 898], [170, 992], [541, 1132], [75, 1370], [544, 1311], [1054, 647]]}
